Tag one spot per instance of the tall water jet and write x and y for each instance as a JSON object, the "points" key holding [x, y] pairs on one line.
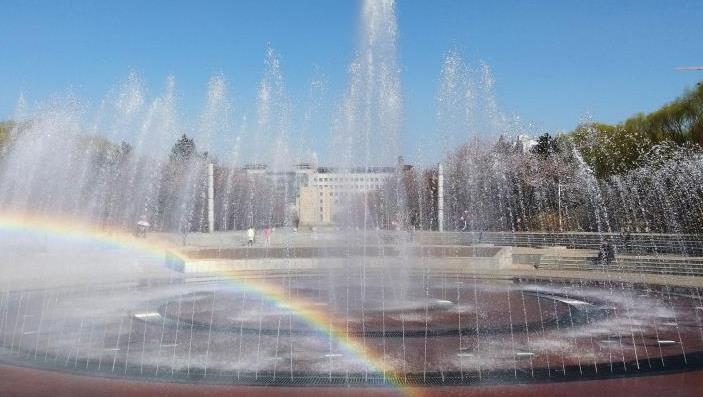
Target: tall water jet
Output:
{"points": [[143, 171], [454, 103], [54, 135], [273, 108], [214, 125], [312, 119], [467, 108], [371, 112]]}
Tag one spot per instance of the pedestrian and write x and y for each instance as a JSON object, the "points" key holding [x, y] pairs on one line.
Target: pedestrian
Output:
{"points": [[142, 226], [251, 233], [602, 253], [625, 236], [609, 252], [267, 236], [606, 254]]}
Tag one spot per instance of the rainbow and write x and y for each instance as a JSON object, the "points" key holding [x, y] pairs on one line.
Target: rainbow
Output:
{"points": [[76, 230], [303, 309]]}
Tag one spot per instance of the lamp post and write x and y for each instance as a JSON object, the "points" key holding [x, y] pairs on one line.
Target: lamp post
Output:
{"points": [[440, 198], [210, 198], [561, 229]]}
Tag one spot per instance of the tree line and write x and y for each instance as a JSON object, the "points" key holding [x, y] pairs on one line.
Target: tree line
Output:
{"points": [[644, 174], [614, 149]]}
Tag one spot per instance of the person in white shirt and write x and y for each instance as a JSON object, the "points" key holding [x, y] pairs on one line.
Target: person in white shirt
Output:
{"points": [[251, 233]]}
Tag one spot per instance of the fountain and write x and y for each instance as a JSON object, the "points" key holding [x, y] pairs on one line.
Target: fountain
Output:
{"points": [[375, 300]]}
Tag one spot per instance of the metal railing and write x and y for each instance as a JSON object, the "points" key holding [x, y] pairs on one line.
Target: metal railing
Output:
{"points": [[682, 266], [635, 243]]}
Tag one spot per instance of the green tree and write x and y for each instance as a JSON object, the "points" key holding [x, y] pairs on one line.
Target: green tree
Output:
{"points": [[5, 128], [615, 149], [183, 150], [546, 146]]}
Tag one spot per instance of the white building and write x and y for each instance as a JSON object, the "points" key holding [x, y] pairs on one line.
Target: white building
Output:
{"points": [[319, 193]]}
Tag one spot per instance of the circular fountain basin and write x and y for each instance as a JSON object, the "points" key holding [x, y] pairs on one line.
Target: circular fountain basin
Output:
{"points": [[471, 329], [322, 329]]}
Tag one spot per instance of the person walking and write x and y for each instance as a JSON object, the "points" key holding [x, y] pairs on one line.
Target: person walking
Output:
{"points": [[267, 236], [609, 252], [142, 226], [251, 233], [606, 254]]}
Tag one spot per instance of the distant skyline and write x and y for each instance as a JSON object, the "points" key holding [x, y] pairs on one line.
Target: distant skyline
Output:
{"points": [[554, 63]]}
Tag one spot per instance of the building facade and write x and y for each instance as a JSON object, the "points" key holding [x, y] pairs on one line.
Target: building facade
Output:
{"points": [[318, 195], [330, 191]]}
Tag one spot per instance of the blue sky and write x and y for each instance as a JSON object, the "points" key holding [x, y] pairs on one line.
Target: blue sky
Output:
{"points": [[553, 61]]}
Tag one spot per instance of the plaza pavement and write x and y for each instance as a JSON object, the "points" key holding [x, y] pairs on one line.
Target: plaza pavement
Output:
{"points": [[30, 270]]}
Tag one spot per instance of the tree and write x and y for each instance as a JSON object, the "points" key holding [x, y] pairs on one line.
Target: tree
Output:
{"points": [[183, 150], [5, 128], [546, 146], [615, 149]]}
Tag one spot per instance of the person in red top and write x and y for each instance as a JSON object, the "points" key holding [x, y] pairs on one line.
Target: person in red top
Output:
{"points": [[267, 236]]}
